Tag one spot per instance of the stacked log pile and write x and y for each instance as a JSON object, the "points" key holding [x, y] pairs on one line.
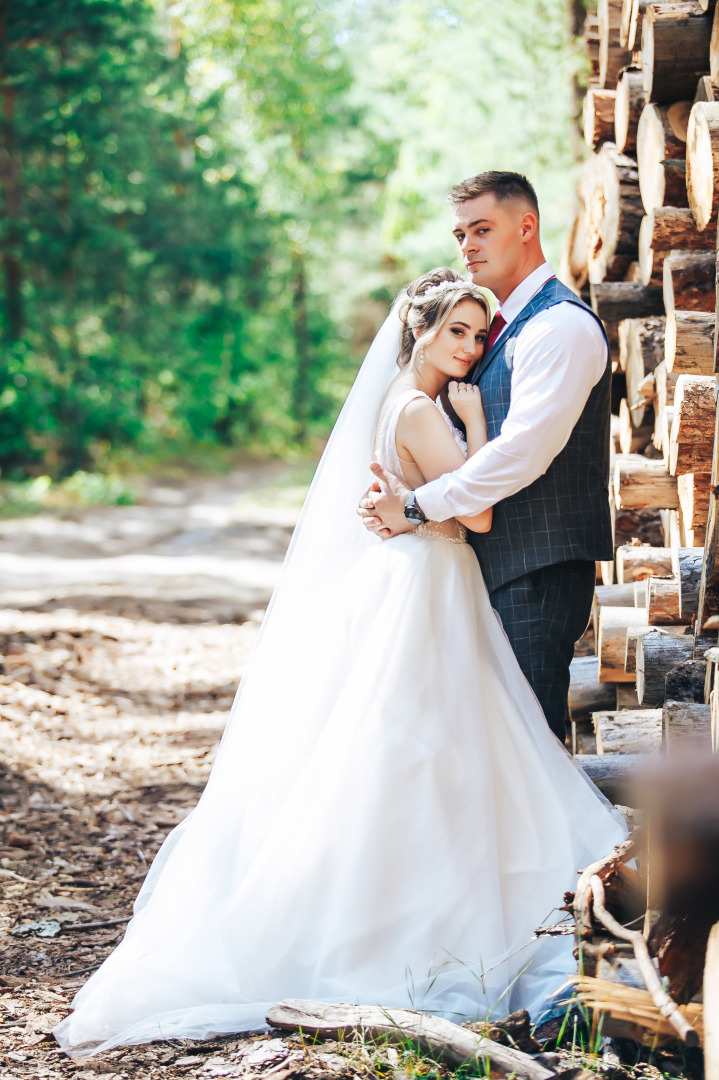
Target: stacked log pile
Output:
{"points": [[642, 252]]}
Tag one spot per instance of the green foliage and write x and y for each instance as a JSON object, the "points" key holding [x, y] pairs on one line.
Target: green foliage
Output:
{"points": [[207, 208]]}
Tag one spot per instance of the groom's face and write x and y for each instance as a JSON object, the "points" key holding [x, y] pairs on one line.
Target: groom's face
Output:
{"points": [[490, 234]]}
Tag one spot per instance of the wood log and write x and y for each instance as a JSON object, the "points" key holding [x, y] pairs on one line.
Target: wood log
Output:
{"points": [[610, 595], [692, 431], [685, 682], [632, 440], [694, 494], [662, 602], [634, 26], [663, 426], [661, 155], [613, 56], [640, 482], [617, 300], [675, 50], [630, 656], [456, 1045], [628, 105], [689, 281], [657, 652], [708, 607], [591, 45], [710, 997], [714, 53], [638, 561], [598, 116], [574, 270], [612, 641], [664, 384], [586, 693], [665, 229], [687, 566], [613, 774], [627, 695], [636, 731], [644, 525], [706, 90], [702, 175], [641, 350], [686, 727], [689, 342], [614, 209]]}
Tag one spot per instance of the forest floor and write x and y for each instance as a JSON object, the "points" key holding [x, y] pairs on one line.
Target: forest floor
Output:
{"points": [[124, 632]]}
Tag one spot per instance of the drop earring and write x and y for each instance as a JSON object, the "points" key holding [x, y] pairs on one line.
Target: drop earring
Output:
{"points": [[421, 358]]}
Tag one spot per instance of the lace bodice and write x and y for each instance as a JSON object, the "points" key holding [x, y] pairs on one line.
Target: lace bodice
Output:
{"points": [[386, 454]]}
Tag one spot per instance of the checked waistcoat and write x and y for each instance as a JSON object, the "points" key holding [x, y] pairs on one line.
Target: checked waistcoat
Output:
{"points": [[564, 514]]}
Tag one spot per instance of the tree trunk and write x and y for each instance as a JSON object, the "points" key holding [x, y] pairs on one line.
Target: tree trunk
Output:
{"points": [[10, 178], [665, 229], [689, 342], [641, 483], [687, 565], [675, 50], [598, 116], [628, 105], [690, 281], [661, 155], [657, 653], [641, 350], [617, 300], [633, 636], [703, 163], [614, 207]]}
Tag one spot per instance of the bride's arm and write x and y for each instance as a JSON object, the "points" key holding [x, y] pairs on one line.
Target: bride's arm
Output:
{"points": [[423, 437]]}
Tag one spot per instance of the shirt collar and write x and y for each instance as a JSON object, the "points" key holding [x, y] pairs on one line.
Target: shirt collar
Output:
{"points": [[520, 297]]}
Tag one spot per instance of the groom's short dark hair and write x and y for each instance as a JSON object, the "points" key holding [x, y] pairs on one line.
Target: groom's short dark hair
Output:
{"points": [[503, 185]]}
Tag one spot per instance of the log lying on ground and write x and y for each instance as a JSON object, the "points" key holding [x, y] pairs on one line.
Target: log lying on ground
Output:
{"points": [[630, 656], [666, 229], [641, 482], [706, 90], [612, 641], [694, 491], [641, 349], [632, 439], [662, 601], [635, 731], [598, 116], [686, 727], [616, 300], [657, 653], [687, 566], [456, 1045], [637, 561], [613, 56], [613, 774], [689, 342], [661, 155], [689, 281], [692, 432], [702, 176], [586, 693], [685, 682], [628, 105], [675, 50], [614, 207]]}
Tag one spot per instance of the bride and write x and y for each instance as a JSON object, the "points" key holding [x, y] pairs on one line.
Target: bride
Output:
{"points": [[389, 817]]}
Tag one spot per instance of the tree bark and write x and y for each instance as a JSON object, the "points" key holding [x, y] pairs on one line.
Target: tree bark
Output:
{"points": [[641, 483], [10, 179], [687, 565], [617, 300], [690, 281], [675, 50], [685, 682], [689, 342], [657, 653], [586, 693], [614, 208], [665, 229], [694, 490], [686, 726], [631, 731]]}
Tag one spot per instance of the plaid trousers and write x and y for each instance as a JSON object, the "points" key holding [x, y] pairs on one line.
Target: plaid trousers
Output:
{"points": [[543, 614]]}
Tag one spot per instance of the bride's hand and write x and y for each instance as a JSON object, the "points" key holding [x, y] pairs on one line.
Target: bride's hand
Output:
{"points": [[466, 401]]}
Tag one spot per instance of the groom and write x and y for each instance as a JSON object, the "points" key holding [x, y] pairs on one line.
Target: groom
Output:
{"points": [[545, 380]]}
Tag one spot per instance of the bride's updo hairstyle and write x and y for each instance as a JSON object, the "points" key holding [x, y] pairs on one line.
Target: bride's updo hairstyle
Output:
{"points": [[425, 304]]}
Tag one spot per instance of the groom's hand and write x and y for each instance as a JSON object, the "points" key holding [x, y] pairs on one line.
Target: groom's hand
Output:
{"points": [[382, 507]]}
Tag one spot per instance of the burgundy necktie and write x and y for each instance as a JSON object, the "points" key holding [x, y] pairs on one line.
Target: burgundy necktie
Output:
{"points": [[496, 327]]}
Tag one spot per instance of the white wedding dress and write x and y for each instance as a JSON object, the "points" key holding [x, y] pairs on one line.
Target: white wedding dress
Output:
{"points": [[388, 820]]}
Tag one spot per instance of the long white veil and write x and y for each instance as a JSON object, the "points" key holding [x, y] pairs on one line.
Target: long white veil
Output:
{"points": [[277, 708]]}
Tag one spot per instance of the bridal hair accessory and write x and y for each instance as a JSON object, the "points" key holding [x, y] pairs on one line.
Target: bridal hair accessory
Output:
{"points": [[443, 286]]}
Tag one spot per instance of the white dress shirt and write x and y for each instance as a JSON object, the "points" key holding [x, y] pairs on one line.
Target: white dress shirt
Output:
{"points": [[560, 354]]}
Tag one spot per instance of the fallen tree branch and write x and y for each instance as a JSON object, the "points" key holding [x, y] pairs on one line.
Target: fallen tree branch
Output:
{"points": [[667, 1007], [95, 925], [582, 903], [456, 1045]]}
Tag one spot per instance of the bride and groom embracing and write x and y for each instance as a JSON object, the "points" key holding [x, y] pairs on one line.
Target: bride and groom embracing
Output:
{"points": [[390, 817]]}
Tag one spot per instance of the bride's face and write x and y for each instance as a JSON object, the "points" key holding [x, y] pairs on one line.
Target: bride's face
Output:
{"points": [[460, 342]]}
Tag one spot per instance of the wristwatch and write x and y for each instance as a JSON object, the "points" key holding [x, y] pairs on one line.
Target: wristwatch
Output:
{"points": [[412, 511]]}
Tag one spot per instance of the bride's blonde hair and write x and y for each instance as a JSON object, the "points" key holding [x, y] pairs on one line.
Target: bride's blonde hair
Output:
{"points": [[426, 303]]}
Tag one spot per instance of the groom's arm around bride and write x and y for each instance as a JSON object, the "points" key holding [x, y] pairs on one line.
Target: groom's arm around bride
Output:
{"points": [[545, 381]]}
